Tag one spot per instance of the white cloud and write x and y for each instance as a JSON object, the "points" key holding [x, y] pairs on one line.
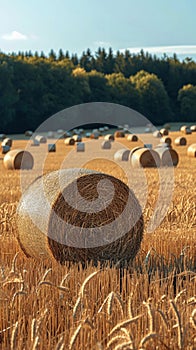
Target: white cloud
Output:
{"points": [[102, 44], [178, 49], [14, 36]]}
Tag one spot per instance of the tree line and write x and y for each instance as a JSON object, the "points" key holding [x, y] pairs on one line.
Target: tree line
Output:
{"points": [[34, 86]]}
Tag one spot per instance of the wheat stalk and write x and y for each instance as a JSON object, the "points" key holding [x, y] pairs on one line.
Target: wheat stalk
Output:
{"points": [[178, 325], [60, 344], [13, 336], [147, 338], [150, 316], [193, 318], [82, 288], [74, 336], [124, 324]]}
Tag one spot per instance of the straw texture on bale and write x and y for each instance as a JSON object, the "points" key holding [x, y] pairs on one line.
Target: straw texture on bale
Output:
{"points": [[132, 138], [191, 151], [133, 150], [69, 141], [145, 158], [41, 139], [193, 128], [122, 155], [168, 156], [164, 132], [18, 159], [157, 134], [59, 220], [106, 145], [7, 142], [180, 141], [119, 133], [109, 137], [166, 139]]}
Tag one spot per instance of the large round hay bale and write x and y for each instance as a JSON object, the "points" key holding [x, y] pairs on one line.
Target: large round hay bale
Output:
{"points": [[146, 158], [133, 150], [41, 138], [77, 138], [119, 133], [122, 155], [63, 232], [109, 137], [166, 139], [7, 142], [168, 156], [191, 151], [132, 138], [18, 159], [28, 133], [106, 145], [180, 141], [69, 141], [185, 129], [164, 132], [157, 134], [193, 128]]}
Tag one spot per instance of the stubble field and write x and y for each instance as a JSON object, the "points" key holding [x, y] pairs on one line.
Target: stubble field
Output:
{"points": [[150, 305]]}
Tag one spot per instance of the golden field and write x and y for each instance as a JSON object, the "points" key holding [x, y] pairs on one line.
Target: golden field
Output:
{"points": [[151, 305]]}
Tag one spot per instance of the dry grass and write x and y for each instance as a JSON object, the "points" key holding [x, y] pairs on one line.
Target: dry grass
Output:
{"points": [[152, 305]]}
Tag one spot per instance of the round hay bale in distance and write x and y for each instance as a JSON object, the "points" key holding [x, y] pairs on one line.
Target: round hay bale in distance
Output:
{"points": [[193, 128], [180, 141], [63, 223], [94, 135], [18, 159], [157, 134], [7, 142], [109, 137], [5, 149], [119, 133], [80, 147], [28, 133], [185, 129], [69, 141], [77, 138], [133, 150], [132, 138], [168, 156], [145, 158], [41, 139], [191, 151], [166, 139], [122, 155], [51, 134], [164, 132], [106, 145]]}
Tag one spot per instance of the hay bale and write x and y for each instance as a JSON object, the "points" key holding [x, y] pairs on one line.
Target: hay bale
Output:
{"points": [[7, 142], [193, 128], [132, 138], [51, 134], [88, 135], [145, 158], [80, 147], [69, 141], [5, 149], [191, 151], [133, 150], [166, 139], [180, 141], [51, 147], [35, 143], [77, 138], [157, 134], [148, 145], [18, 159], [94, 136], [109, 137], [106, 128], [28, 133], [119, 133], [106, 145], [164, 132], [77, 235], [168, 156], [185, 129], [41, 139], [122, 155]]}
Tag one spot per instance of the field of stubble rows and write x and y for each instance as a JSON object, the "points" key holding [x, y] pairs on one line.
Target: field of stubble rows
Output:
{"points": [[151, 305]]}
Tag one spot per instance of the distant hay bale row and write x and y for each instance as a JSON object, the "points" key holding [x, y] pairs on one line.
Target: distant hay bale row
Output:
{"points": [[109, 137], [167, 140], [193, 128], [157, 134], [191, 151], [132, 138], [180, 141], [185, 129], [119, 134], [164, 132], [18, 159], [62, 232], [40, 139], [69, 141], [7, 142], [145, 158]]}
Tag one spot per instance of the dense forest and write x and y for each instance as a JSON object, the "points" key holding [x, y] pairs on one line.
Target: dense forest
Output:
{"points": [[34, 86]]}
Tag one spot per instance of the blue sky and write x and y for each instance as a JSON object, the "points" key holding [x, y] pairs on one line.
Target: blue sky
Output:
{"points": [[154, 25]]}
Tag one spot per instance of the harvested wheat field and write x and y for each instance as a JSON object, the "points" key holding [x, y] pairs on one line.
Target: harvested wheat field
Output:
{"points": [[150, 304]]}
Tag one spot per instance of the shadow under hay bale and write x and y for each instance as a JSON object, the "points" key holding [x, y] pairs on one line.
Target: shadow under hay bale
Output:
{"points": [[180, 141], [122, 155], [191, 151], [168, 156], [132, 138], [118, 225], [145, 158], [18, 159]]}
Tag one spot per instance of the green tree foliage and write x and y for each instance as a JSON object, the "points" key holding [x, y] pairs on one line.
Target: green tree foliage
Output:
{"points": [[187, 100]]}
